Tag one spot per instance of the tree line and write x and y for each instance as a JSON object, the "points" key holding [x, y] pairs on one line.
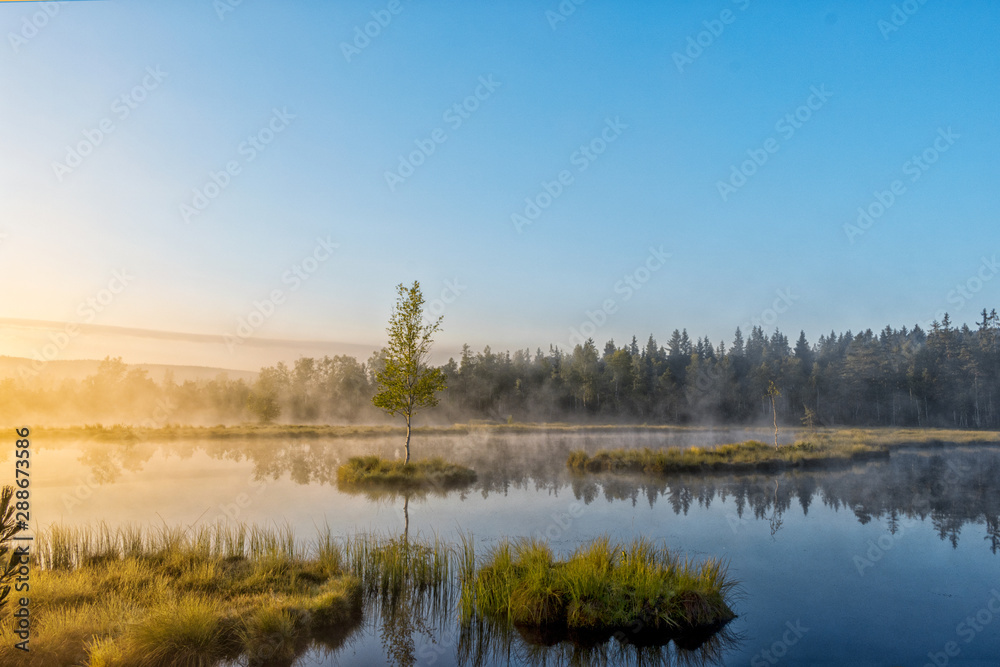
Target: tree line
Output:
{"points": [[947, 376]]}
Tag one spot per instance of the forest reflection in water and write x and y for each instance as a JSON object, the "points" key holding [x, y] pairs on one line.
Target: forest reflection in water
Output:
{"points": [[950, 486]]}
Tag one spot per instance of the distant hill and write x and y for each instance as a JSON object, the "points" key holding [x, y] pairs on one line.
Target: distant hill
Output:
{"points": [[77, 369]]}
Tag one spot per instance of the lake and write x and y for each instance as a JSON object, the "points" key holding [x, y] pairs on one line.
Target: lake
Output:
{"points": [[891, 562]]}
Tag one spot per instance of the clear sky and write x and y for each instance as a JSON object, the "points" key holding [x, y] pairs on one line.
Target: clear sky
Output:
{"points": [[830, 103]]}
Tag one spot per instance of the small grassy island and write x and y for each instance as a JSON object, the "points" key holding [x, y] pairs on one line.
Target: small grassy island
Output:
{"points": [[750, 455], [602, 589], [378, 473]]}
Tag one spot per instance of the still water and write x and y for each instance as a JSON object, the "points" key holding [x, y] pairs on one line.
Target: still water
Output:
{"points": [[888, 563]]}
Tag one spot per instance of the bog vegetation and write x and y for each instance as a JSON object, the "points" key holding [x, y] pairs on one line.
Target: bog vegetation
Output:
{"points": [[749, 455], [131, 596], [373, 471], [603, 587]]}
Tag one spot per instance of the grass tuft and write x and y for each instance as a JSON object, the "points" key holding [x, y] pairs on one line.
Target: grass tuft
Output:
{"points": [[374, 471], [749, 455], [154, 597], [602, 587]]}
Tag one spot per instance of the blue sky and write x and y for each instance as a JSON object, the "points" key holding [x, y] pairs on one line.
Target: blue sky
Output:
{"points": [[199, 82]]}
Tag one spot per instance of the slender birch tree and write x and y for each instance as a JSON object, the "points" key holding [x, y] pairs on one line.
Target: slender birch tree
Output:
{"points": [[406, 383]]}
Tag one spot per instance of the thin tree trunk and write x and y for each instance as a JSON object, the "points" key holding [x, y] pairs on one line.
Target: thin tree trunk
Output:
{"points": [[978, 425], [407, 439], [406, 519], [774, 414]]}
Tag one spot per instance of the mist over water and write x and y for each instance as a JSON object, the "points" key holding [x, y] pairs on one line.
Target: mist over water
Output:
{"points": [[880, 560]]}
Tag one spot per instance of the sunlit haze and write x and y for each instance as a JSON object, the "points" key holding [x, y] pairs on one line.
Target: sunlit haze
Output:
{"points": [[178, 175]]}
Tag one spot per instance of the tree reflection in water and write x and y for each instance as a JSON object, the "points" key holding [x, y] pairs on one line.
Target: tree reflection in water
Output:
{"points": [[949, 488]]}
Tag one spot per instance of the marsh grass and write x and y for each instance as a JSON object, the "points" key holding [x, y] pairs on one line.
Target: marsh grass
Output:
{"points": [[128, 596], [374, 472], [886, 436], [386, 564], [750, 455], [124, 596], [603, 587]]}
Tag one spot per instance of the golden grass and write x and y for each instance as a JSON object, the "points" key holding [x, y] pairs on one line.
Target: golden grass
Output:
{"points": [[128, 597], [749, 455], [888, 436]]}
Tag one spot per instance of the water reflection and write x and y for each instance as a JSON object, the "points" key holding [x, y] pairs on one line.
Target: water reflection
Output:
{"points": [[323, 643], [487, 643], [946, 488], [404, 617], [776, 512], [950, 487]]}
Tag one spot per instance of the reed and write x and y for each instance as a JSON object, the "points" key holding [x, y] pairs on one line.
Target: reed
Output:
{"points": [[165, 596], [128, 596], [749, 455], [389, 566], [603, 586]]}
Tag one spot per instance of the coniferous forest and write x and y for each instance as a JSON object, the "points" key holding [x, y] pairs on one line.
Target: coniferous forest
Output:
{"points": [[948, 376]]}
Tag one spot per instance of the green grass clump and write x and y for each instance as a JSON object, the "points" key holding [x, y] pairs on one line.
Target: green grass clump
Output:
{"points": [[374, 471], [602, 587], [388, 565], [749, 455], [132, 597]]}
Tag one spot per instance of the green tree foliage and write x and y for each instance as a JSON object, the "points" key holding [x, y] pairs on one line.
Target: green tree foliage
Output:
{"points": [[946, 376], [263, 399], [406, 383]]}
